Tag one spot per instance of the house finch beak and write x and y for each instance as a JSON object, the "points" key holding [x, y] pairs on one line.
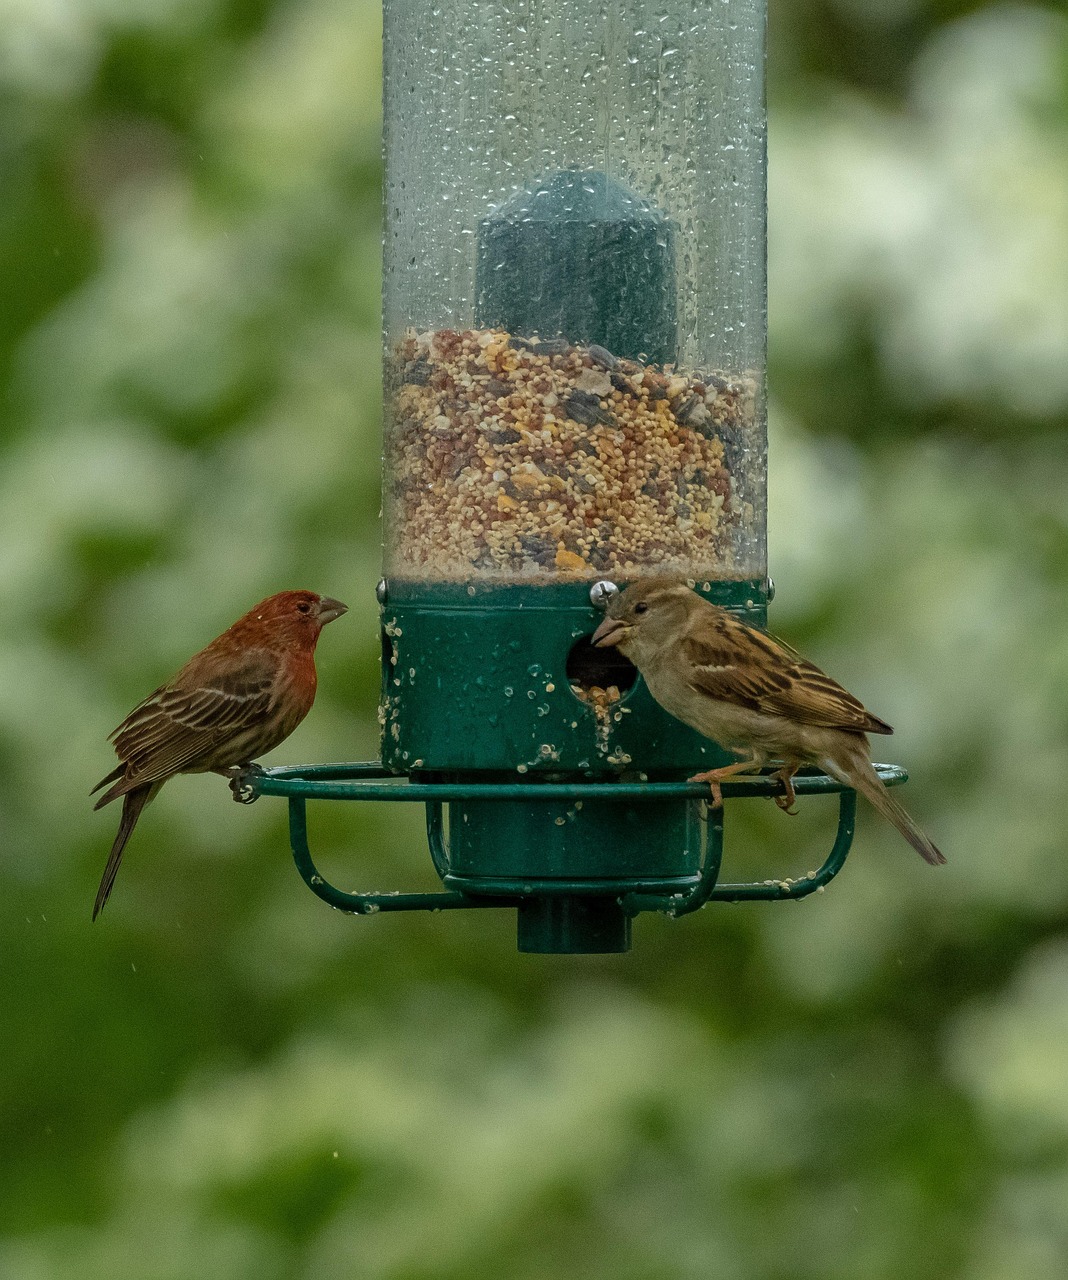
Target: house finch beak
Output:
{"points": [[233, 701], [750, 693]]}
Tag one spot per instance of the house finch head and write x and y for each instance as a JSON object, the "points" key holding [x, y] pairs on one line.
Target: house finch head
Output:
{"points": [[231, 702], [750, 693]]}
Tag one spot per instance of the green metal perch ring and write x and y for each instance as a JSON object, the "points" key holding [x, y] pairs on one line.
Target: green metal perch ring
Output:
{"points": [[369, 781]]}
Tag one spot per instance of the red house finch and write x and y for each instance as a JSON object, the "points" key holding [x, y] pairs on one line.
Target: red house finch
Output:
{"points": [[750, 693], [231, 702]]}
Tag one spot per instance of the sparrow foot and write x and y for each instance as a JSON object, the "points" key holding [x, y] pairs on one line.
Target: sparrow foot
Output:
{"points": [[787, 801], [716, 776]]}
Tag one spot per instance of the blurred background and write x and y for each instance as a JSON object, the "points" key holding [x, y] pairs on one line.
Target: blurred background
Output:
{"points": [[224, 1078]]}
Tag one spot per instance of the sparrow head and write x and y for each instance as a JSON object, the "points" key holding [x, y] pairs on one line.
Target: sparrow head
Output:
{"points": [[294, 616], [648, 615]]}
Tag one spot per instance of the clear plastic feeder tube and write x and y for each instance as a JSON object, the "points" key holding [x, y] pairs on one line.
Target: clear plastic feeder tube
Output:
{"points": [[575, 298]]}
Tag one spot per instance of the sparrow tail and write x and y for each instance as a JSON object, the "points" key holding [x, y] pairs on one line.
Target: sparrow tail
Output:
{"points": [[132, 804], [855, 770]]}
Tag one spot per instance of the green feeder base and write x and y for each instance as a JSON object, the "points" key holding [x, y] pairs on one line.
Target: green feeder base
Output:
{"points": [[479, 678]]}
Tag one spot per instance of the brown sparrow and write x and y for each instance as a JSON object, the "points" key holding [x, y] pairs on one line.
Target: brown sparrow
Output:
{"points": [[750, 693]]}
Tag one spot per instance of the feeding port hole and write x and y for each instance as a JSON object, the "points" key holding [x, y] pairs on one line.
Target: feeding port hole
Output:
{"points": [[590, 668]]}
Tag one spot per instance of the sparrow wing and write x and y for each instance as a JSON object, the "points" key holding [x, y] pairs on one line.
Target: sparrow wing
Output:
{"points": [[176, 724], [736, 663]]}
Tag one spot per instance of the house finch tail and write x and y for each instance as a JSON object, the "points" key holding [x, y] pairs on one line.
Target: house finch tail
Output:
{"points": [[235, 700], [132, 804]]}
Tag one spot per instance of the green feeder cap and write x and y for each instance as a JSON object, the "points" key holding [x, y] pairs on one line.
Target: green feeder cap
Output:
{"points": [[579, 256]]}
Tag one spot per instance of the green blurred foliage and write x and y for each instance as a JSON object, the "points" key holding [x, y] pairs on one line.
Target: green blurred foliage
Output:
{"points": [[223, 1078]]}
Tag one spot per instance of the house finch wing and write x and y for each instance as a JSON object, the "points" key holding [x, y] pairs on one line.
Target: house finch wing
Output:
{"points": [[178, 726], [735, 663]]}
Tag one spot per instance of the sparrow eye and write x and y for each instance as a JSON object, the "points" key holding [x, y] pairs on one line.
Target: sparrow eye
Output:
{"points": [[304, 607], [642, 607]]}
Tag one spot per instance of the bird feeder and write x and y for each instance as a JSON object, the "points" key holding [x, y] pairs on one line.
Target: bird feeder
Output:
{"points": [[574, 325]]}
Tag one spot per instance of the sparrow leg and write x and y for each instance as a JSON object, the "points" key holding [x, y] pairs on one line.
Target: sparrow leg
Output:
{"points": [[786, 800], [715, 776]]}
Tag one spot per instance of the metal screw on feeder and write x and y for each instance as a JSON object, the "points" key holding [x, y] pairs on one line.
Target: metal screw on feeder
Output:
{"points": [[574, 311], [602, 592]]}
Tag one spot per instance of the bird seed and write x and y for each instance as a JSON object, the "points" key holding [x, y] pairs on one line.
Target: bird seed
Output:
{"points": [[524, 459]]}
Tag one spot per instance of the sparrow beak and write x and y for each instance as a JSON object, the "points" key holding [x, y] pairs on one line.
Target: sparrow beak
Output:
{"points": [[609, 633], [330, 609]]}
